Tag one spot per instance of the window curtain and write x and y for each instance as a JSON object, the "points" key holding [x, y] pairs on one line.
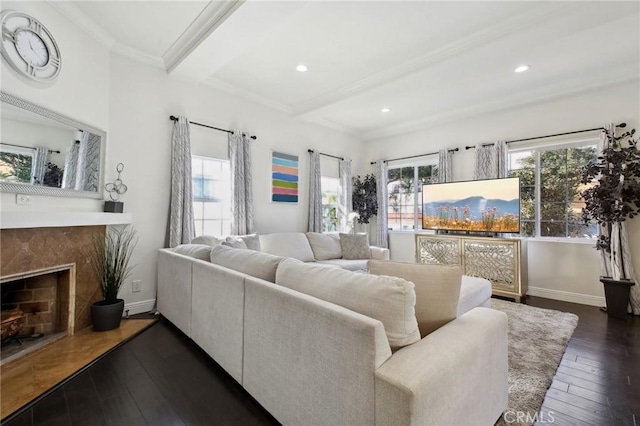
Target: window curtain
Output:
{"points": [[71, 166], [445, 172], [315, 193], [618, 263], [490, 161], [241, 184], [381, 190], [40, 158], [88, 166], [346, 190], [181, 224]]}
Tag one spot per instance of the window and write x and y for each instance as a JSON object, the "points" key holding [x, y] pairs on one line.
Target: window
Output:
{"points": [[404, 188], [16, 164], [330, 198], [211, 180], [549, 186]]}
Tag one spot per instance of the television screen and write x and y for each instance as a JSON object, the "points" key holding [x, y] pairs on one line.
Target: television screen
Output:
{"points": [[491, 205]]}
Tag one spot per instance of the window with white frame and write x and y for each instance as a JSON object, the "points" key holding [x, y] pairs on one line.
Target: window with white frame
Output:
{"points": [[16, 164], [330, 199], [211, 182], [404, 192], [549, 187]]}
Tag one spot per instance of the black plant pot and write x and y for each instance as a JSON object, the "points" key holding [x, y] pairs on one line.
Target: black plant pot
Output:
{"points": [[106, 315], [617, 294]]}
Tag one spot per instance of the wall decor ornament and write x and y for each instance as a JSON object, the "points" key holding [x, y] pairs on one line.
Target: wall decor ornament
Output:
{"points": [[29, 47], [115, 190], [284, 178]]}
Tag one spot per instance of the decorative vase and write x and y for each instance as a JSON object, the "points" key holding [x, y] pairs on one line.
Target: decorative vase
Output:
{"points": [[617, 295], [106, 315]]}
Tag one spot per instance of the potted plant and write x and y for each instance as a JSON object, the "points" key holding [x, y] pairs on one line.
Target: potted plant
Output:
{"points": [[110, 257], [364, 197], [612, 196]]}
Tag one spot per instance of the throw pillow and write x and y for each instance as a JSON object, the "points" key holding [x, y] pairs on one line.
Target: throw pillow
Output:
{"points": [[287, 244], [235, 243], [250, 262], [390, 300], [197, 251], [355, 246], [208, 240], [252, 241], [437, 290], [325, 246]]}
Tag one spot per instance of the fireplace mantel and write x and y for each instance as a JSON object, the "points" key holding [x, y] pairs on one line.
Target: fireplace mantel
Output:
{"points": [[53, 219]]}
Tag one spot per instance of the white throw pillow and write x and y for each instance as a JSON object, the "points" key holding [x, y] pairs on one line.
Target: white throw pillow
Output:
{"points": [[235, 243], [208, 240], [197, 251], [250, 262], [287, 244], [252, 241], [325, 246], [390, 300], [437, 290]]}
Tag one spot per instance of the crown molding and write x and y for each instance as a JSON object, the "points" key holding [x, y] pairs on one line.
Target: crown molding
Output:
{"points": [[70, 11], [247, 94], [465, 44], [138, 55], [332, 125], [518, 100], [211, 17]]}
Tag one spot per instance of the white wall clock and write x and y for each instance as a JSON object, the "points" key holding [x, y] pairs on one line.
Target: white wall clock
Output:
{"points": [[29, 48]]}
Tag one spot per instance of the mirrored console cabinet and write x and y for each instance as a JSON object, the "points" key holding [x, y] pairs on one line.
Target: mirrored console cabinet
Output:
{"points": [[500, 260]]}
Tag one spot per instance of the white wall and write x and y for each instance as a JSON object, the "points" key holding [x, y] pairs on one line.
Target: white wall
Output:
{"points": [[567, 271]]}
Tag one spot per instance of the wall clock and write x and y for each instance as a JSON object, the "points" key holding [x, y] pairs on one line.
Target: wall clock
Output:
{"points": [[29, 48]]}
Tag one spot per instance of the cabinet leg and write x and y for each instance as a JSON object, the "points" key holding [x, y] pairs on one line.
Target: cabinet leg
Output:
{"points": [[517, 299]]}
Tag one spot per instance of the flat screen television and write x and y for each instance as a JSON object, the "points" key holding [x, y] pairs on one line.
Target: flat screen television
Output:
{"points": [[491, 205]]}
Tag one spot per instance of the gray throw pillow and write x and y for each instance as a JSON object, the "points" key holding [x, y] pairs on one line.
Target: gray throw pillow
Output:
{"points": [[235, 243], [355, 246]]}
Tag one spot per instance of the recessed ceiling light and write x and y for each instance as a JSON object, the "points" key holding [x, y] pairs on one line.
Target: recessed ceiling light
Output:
{"points": [[386, 109], [301, 68], [522, 68]]}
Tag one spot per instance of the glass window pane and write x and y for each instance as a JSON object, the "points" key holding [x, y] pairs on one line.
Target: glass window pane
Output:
{"points": [[197, 210], [212, 227], [211, 169], [212, 210], [198, 225], [553, 211], [527, 228], [196, 167], [553, 229], [226, 227]]}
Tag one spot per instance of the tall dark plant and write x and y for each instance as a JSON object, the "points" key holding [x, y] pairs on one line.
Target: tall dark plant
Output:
{"points": [[613, 180], [365, 197], [110, 257]]}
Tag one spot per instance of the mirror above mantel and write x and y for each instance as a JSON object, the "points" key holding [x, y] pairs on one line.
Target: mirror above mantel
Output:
{"points": [[43, 152]]}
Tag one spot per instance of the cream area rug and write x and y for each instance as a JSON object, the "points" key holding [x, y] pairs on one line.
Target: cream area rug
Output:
{"points": [[537, 341]]}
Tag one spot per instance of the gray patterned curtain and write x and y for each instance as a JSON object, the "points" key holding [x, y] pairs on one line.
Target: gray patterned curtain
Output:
{"points": [[88, 168], [241, 184], [40, 159], [490, 161], [618, 264], [71, 166], [381, 189], [315, 193], [181, 224], [346, 190], [445, 172]]}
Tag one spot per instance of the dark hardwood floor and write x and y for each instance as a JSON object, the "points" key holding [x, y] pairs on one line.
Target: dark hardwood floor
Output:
{"points": [[162, 378]]}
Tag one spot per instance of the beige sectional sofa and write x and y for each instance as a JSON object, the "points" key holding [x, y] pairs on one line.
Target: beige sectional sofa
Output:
{"points": [[314, 347]]}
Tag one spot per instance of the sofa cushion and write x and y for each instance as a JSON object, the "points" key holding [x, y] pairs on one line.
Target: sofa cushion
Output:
{"points": [[235, 243], [287, 244], [197, 251], [437, 290], [209, 240], [252, 241], [355, 246], [325, 246], [474, 292], [250, 262], [348, 264], [390, 300]]}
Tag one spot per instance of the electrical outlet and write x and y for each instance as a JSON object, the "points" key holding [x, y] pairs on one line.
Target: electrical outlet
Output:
{"points": [[136, 286], [23, 199]]}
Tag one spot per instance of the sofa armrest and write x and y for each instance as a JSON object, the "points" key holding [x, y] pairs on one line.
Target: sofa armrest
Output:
{"points": [[379, 253], [462, 364]]}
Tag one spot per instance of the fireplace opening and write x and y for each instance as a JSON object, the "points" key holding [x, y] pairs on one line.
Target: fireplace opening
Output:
{"points": [[35, 309]]}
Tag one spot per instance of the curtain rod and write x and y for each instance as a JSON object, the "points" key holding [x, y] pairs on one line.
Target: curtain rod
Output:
{"points": [[27, 147], [415, 156], [622, 125], [174, 118], [326, 155]]}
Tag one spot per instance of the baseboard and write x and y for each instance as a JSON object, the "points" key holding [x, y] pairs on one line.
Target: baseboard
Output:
{"points": [[565, 296], [141, 307]]}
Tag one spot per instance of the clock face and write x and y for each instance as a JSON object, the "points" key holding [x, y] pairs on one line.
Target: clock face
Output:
{"points": [[32, 48], [29, 48]]}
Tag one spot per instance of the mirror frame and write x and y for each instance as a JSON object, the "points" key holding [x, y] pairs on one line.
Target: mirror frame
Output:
{"points": [[24, 188]]}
